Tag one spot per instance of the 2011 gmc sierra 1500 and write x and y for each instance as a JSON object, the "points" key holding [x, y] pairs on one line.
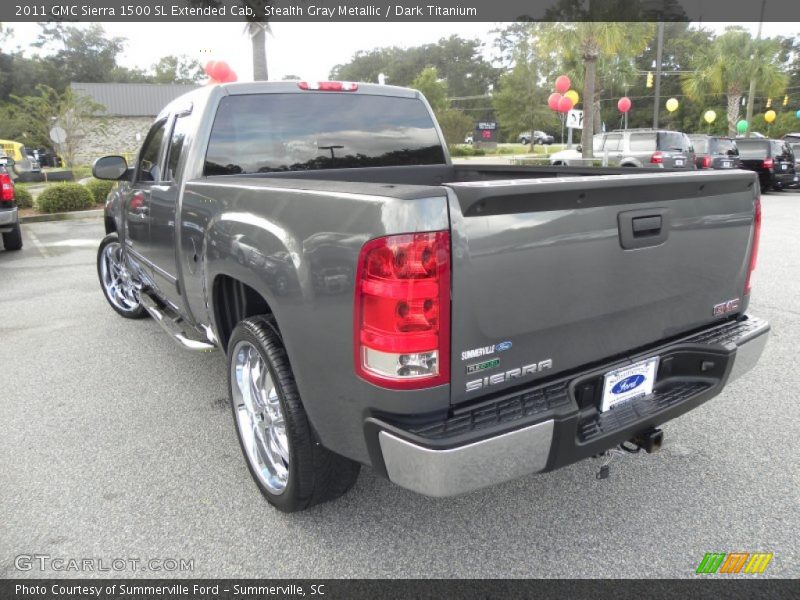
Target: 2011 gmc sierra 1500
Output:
{"points": [[452, 326]]}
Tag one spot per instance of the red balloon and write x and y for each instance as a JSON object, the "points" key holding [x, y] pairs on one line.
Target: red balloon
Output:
{"points": [[565, 104], [624, 104], [562, 84], [218, 69], [222, 71], [552, 101], [231, 76]]}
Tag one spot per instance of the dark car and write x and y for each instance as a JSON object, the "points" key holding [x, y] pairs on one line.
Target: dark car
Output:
{"points": [[539, 137], [796, 150], [773, 160], [792, 138], [715, 152]]}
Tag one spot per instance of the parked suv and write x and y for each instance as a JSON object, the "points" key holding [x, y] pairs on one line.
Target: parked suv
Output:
{"points": [[539, 137], [715, 152], [773, 160], [648, 148]]}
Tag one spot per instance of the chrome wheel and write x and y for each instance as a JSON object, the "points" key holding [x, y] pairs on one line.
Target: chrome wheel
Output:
{"points": [[119, 286], [259, 417]]}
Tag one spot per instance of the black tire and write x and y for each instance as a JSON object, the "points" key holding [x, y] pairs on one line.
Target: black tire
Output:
{"points": [[13, 239], [524, 141], [315, 474], [137, 311]]}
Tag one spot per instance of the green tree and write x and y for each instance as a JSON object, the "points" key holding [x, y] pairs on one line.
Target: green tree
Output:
{"points": [[34, 116], [84, 54], [724, 68], [458, 61], [177, 69], [520, 102], [454, 123], [433, 88], [591, 42]]}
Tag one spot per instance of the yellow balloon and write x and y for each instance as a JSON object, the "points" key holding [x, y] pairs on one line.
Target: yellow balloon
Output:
{"points": [[769, 116], [573, 95], [672, 104], [710, 116]]}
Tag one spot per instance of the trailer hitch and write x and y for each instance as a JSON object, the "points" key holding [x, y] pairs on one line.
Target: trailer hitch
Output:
{"points": [[650, 441]]}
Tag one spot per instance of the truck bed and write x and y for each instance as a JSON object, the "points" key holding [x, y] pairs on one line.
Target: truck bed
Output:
{"points": [[546, 262]]}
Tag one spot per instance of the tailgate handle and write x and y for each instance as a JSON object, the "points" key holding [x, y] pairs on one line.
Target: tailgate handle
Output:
{"points": [[644, 226]]}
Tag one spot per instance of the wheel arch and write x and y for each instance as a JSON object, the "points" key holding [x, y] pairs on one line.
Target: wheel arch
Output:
{"points": [[232, 301]]}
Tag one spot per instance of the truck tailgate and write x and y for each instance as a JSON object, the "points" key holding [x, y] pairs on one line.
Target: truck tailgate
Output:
{"points": [[561, 273]]}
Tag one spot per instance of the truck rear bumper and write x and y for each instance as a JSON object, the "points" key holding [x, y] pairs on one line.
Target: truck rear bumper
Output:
{"points": [[507, 437]]}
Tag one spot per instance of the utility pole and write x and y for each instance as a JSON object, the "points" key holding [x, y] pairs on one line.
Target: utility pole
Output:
{"points": [[752, 93], [659, 51]]}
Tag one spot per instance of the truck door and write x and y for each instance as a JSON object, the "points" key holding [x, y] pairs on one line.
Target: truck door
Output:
{"points": [[150, 213], [161, 247], [137, 201]]}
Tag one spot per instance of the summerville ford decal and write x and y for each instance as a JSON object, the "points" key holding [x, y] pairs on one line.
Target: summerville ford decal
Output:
{"points": [[486, 350]]}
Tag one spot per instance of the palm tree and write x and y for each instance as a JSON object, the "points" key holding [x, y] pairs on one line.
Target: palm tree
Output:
{"points": [[258, 36], [257, 28], [726, 67], [589, 42]]}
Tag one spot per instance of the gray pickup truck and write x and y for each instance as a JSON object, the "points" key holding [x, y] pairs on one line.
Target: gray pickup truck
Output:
{"points": [[451, 326]]}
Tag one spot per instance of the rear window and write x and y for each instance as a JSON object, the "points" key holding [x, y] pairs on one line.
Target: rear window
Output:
{"points": [[263, 133], [722, 146], [780, 149], [701, 145], [670, 140], [643, 142], [753, 148]]}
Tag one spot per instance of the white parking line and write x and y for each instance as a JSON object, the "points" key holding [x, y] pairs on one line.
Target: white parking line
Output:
{"points": [[75, 243], [39, 246]]}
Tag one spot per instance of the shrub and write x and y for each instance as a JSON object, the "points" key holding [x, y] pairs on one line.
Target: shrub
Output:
{"points": [[81, 171], [23, 197], [61, 197], [99, 189], [464, 150]]}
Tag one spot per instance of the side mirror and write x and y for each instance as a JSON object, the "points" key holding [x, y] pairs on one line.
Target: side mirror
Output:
{"points": [[7, 161], [111, 168]]}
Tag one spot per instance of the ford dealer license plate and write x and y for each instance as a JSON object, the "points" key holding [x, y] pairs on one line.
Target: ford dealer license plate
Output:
{"points": [[629, 382]]}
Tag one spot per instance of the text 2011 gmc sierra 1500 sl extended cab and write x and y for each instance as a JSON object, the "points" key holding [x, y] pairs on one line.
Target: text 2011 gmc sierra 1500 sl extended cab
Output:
{"points": [[451, 326]]}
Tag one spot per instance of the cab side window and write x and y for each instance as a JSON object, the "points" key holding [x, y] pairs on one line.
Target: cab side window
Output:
{"points": [[150, 167], [177, 148]]}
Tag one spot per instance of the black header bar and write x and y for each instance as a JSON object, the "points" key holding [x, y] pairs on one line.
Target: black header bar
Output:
{"points": [[398, 10]]}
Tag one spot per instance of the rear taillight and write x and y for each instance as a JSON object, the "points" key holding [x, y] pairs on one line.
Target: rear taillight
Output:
{"points": [[6, 187], [706, 162], [754, 249], [401, 327], [768, 163], [328, 86], [657, 158]]}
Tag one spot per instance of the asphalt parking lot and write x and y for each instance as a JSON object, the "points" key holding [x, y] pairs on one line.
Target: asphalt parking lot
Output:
{"points": [[115, 443]]}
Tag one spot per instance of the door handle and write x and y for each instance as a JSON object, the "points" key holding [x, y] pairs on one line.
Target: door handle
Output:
{"points": [[644, 226]]}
